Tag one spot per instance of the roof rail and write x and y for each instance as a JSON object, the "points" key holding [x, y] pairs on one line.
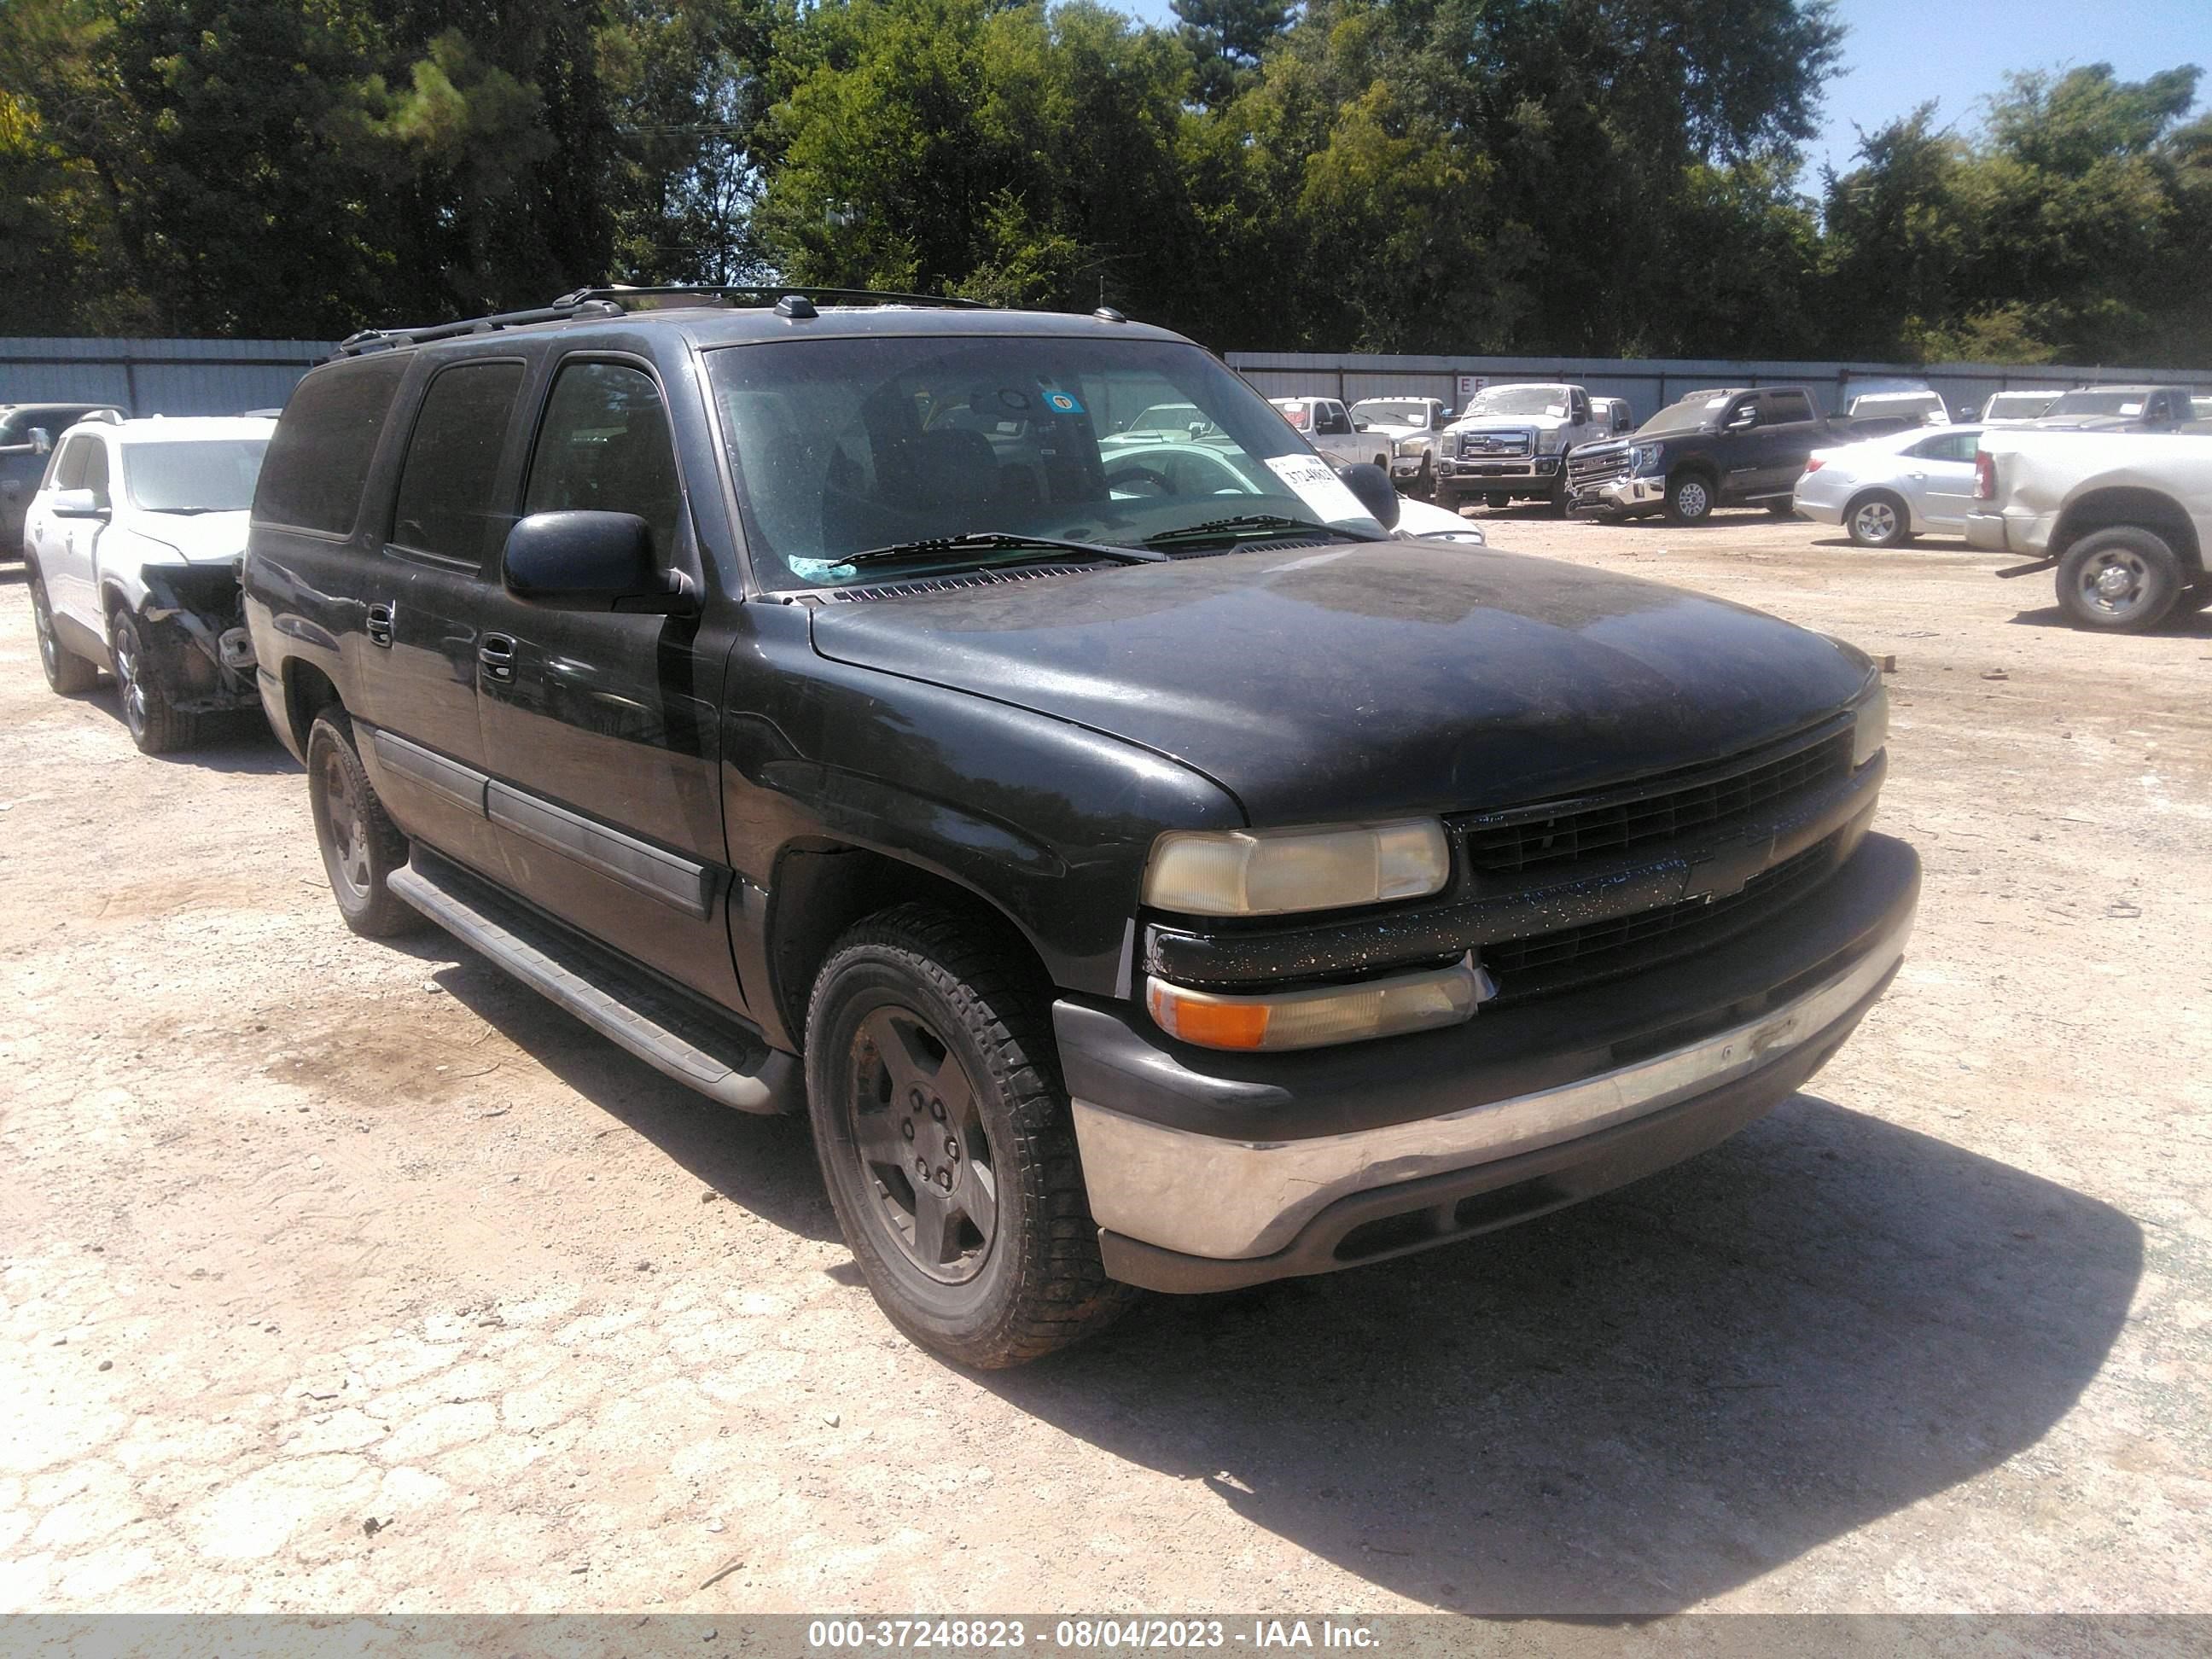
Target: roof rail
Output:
{"points": [[762, 294], [616, 300]]}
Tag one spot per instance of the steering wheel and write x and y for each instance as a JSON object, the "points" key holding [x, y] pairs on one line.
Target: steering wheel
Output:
{"points": [[1136, 472]]}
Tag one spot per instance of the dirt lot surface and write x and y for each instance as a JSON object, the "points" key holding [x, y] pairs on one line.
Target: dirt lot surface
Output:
{"points": [[342, 1277]]}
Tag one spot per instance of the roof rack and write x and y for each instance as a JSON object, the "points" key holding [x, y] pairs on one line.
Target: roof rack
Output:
{"points": [[617, 300]]}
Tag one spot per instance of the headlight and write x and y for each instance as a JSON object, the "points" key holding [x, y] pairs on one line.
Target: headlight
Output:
{"points": [[1872, 729], [1325, 1014], [1412, 446], [1642, 457], [1270, 872]]}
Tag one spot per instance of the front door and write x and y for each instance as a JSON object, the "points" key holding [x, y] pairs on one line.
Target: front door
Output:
{"points": [[70, 548], [602, 726]]}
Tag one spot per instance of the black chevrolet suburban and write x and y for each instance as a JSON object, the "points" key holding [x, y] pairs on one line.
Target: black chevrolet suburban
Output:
{"points": [[1144, 869], [1734, 446]]}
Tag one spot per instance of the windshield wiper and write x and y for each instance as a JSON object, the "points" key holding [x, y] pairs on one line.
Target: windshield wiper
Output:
{"points": [[190, 512], [1244, 524], [986, 541]]}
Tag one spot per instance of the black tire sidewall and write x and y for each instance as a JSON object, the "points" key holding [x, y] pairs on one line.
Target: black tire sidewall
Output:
{"points": [[374, 912], [2165, 579], [855, 982]]}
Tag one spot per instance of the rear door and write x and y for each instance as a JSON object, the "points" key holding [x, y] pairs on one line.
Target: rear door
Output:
{"points": [[427, 602], [602, 727], [1939, 478], [1788, 432]]}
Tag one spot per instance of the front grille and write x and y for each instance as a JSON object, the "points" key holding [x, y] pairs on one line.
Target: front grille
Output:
{"points": [[1603, 468], [1489, 446], [1510, 843], [1547, 964]]}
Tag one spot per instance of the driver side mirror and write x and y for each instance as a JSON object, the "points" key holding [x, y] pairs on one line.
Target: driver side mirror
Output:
{"points": [[42, 442], [1359, 423], [581, 560], [75, 504], [1372, 485], [1746, 417]]}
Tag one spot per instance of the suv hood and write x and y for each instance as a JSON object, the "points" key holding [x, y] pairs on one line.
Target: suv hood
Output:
{"points": [[1508, 424], [1326, 685], [197, 537]]}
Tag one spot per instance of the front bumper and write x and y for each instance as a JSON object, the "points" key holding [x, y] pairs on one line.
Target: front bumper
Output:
{"points": [[1631, 495], [1518, 1112], [1480, 474]]}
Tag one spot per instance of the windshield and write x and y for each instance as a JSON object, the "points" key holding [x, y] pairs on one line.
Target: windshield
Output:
{"points": [[1166, 421], [1392, 414], [2019, 403], [1520, 400], [1692, 412], [205, 475], [842, 446], [2098, 403]]}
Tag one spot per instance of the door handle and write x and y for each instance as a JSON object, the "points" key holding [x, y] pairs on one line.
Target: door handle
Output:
{"points": [[496, 652], [1918, 477], [380, 618]]}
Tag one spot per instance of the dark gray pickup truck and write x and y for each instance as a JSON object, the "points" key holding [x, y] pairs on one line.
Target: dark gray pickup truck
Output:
{"points": [[1733, 447]]}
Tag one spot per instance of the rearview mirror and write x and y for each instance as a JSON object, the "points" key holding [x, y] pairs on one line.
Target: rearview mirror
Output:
{"points": [[1372, 485], [581, 560], [75, 504]]}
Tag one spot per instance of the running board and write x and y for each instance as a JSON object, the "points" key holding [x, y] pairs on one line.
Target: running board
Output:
{"points": [[666, 1029]]}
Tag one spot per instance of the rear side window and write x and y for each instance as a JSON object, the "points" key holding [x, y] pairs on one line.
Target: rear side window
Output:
{"points": [[604, 447], [319, 461], [1788, 406], [446, 502]]}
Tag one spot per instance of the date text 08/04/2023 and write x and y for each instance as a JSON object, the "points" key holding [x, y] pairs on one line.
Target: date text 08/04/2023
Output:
{"points": [[1085, 1634]]}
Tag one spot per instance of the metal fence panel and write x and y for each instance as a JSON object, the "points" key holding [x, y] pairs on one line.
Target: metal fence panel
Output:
{"points": [[157, 377]]}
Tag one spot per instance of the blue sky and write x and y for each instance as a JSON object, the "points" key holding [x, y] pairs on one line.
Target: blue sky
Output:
{"points": [[1903, 52]]}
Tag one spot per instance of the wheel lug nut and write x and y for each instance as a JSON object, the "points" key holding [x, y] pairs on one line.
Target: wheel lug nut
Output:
{"points": [[937, 1110], [952, 1148], [914, 1099], [944, 1179], [921, 1168], [908, 1127]]}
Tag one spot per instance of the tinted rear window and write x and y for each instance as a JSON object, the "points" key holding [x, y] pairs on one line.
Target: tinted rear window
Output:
{"points": [[319, 461]]}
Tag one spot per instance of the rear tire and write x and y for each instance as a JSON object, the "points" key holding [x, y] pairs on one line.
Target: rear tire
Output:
{"points": [[1497, 501], [361, 845], [155, 726], [2123, 580], [1785, 509], [1689, 498], [946, 1144], [68, 674], [1878, 519]]}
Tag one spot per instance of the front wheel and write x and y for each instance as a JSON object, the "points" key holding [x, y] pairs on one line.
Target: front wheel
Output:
{"points": [[155, 725], [2123, 580], [946, 1144], [1689, 498], [360, 846], [68, 674]]}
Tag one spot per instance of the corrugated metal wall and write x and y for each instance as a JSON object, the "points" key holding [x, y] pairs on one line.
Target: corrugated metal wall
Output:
{"points": [[1651, 384], [157, 377]]}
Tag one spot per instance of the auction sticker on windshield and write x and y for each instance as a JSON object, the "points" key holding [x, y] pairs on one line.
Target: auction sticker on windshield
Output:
{"points": [[1318, 487]]}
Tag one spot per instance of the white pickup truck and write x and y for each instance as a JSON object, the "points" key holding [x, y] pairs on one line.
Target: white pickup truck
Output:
{"points": [[2124, 517]]}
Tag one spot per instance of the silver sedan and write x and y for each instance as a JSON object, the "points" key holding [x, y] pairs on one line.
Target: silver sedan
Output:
{"points": [[1887, 491]]}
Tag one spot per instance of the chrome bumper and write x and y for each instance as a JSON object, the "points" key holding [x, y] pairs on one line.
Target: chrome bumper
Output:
{"points": [[1618, 495], [1226, 1200]]}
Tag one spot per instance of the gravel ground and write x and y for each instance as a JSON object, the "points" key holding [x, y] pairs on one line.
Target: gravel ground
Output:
{"points": [[340, 1277]]}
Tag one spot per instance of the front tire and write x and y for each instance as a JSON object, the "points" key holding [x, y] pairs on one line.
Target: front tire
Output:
{"points": [[1879, 520], [1689, 498], [2123, 580], [946, 1144], [361, 845], [154, 725], [68, 674]]}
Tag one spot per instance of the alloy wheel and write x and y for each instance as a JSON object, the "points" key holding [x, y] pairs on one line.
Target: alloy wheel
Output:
{"points": [[1876, 521], [131, 680], [345, 827], [926, 1160]]}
